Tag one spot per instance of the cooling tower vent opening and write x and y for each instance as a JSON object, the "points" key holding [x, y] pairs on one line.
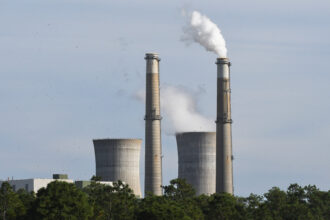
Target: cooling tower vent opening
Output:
{"points": [[192, 132], [116, 139]]}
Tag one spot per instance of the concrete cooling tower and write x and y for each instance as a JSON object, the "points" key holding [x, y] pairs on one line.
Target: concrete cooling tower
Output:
{"points": [[197, 160], [153, 148], [224, 167], [119, 159]]}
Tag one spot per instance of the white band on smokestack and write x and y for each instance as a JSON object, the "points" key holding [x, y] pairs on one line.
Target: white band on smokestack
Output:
{"points": [[152, 62], [223, 69]]}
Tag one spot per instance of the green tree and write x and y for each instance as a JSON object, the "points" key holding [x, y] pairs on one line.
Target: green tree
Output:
{"points": [[224, 206], [252, 205], [179, 189], [111, 202], [96, 178], [318, 202], [203, 203], [185, 196], [275, 204], [61, 200], [296, 207], [27, 199], [10, 204], [159, 208]]}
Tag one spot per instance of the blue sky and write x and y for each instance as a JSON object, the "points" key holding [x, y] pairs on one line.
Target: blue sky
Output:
{"points": [[69, 70]]}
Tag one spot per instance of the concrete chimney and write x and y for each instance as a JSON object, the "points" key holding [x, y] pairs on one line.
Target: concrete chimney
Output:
{"points": [[196, 154], [153, 148], [119, 159], [224, 166]]}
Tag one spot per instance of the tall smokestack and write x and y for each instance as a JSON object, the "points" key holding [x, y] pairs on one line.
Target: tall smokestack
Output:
{"points": [[196, 154], [224, 166], [153, 149]]}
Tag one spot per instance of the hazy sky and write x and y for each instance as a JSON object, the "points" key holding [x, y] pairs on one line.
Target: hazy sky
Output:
{"points": [[69, 70]]}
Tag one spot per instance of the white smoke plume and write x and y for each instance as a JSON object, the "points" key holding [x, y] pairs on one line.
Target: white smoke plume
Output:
{"points": [[140, 95], [202, 30], [179, 111], [179, 106]]}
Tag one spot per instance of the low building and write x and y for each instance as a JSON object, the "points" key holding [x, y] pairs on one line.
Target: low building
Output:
{"points": [[83, 183], [35, 184]]}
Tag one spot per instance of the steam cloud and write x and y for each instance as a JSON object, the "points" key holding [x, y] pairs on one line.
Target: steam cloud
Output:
{"points": [[180, 108], [179, 111], [202, 30]]}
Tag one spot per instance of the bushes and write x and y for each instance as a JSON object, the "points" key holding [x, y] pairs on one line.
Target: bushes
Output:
{"points": [[62, 200]]}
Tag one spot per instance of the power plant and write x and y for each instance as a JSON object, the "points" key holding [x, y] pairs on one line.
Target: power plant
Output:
{"points": [[153, 147], [224, 165], [196, 158], [119, 159], [204, 158]]}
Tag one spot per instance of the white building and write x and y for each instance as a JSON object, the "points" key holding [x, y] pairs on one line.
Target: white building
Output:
{"points": [[35, 184], [84, 183]]}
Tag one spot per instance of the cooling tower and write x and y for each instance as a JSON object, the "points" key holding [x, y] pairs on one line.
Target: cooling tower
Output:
{"points": [[196, 151], [224, 166], [153, 148], [119, 159]]}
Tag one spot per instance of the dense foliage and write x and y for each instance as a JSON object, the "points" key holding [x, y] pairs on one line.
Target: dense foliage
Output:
{"points": [[61, 200]]}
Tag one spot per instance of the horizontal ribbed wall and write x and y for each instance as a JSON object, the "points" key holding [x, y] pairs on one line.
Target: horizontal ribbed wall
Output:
{"points": [[197, 160], [119, 159]]}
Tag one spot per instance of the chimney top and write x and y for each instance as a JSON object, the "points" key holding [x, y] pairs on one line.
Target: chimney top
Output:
{"points": [[223, 61], [152, 56]]}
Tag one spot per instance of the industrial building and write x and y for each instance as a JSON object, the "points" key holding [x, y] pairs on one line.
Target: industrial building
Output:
{"points": [[119, 159], [205, 158], [34, 184], [84, 183], [196, 158]]}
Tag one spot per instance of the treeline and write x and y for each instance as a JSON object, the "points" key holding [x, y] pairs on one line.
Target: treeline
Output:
{"points": [[61, 200]]}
